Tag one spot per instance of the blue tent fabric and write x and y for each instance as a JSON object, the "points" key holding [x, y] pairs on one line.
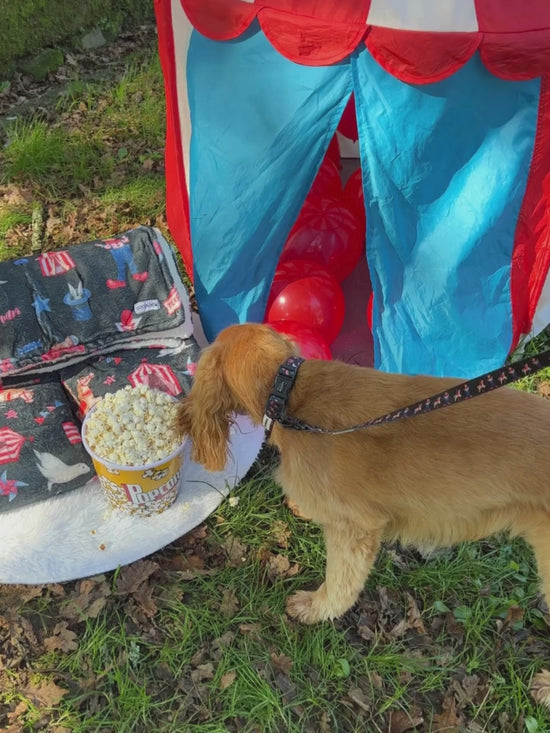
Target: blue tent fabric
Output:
{"points": [[261, 126], [442, 194], [442, 198]]}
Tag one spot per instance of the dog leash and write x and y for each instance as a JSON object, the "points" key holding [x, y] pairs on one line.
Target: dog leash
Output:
{"points": [[275, 410]]}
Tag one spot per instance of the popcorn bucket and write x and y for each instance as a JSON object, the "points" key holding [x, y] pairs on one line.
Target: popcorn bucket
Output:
{"points": [[138, 490]]}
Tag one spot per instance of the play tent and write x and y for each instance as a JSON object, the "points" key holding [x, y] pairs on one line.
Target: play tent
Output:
{"points": [[452, 109]]}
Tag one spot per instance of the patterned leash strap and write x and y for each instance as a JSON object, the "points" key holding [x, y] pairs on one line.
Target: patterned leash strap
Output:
{"points": [[464, 391]]}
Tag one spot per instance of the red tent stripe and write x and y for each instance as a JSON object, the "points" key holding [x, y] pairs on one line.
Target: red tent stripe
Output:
{"points": [[416, 57], [531, 257], [513, 37], [177, 203], [313, 42], [220, 19], [517, 57], [496, 16]]}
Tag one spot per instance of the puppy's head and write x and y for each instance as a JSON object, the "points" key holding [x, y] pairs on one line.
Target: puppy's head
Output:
{"points": [[234, 374]]}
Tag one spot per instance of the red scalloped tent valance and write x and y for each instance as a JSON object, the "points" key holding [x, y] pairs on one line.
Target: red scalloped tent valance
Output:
{"points": [[512, 36]]}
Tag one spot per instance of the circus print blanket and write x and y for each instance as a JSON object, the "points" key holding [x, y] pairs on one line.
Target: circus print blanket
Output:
{"points": [[77, 323]]}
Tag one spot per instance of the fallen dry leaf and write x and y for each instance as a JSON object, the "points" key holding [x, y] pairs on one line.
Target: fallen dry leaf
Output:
{"points": [[144, 599], [88, 600], [236, 551], [400, 721], [376, 680], [132, 576], [62, 638], [89, 608], [227, 679], [453, 627], [45, 693], [222, 643], [15, 596], [514, 614], [21, 632], [281, 663], [359, 697], [203, 672], [253, 629], [198, 656], [19, 710], [184, 562], [414, 618], [52, 222], [278, 566], [281, 533], [199, 533], [447, 721], [465, 690], [324, 723], [192, 574], [399, 629], [229, 603], [540, 687]]}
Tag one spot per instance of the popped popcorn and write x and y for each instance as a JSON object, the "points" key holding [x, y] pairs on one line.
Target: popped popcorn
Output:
{"points": [[130, 427]]}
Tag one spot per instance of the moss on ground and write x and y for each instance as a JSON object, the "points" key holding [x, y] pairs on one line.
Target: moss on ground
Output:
{"points": [[30, 25]]}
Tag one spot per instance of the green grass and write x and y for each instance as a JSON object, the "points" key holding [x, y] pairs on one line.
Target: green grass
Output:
{"points": [[97, 169], [10, 219], [107, 144], [144, 196], [53, 158], [168, 675]]}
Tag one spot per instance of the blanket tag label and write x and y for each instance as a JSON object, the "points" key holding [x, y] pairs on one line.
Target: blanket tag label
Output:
{"points": [[146, 305]]}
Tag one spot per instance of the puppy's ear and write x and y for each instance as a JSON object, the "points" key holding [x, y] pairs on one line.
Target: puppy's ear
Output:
{"points": [[204, 415]]}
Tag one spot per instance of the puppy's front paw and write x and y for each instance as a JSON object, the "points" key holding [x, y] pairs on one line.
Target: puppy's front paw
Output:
{"points": [[308, 606]]}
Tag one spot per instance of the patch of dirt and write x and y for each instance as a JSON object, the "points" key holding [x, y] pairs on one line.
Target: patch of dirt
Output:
{"points": [[25, 96]]}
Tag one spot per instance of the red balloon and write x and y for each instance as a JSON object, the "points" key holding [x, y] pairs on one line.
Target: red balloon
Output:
{"points": [[291, 270], [327, 182], [326, 231], [309, 341], [315, 301]]}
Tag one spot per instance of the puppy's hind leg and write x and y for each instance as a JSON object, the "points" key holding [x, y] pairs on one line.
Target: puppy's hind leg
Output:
{"points": [[537, 533], [351, 552]]}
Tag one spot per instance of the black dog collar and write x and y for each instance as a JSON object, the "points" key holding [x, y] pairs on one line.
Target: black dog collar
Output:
{"points": [[275, 408]]}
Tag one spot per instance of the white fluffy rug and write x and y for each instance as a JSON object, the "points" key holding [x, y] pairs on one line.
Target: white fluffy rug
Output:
{"points": [[77, 535]]}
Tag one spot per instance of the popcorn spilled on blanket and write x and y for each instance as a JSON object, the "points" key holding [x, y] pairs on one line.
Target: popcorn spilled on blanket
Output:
{"points": [[137, 458]]}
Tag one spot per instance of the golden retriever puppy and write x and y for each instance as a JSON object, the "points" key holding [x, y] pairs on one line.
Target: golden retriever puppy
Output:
{"points": [[461, 473]]}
